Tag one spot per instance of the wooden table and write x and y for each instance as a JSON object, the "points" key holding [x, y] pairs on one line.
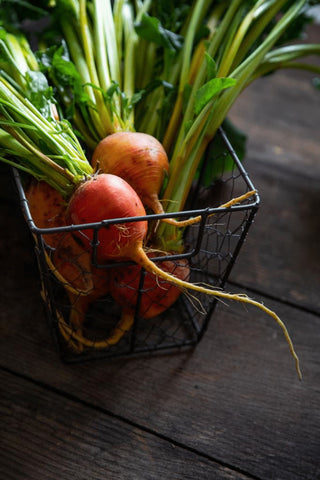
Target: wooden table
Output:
{"points": [[233, 407]]}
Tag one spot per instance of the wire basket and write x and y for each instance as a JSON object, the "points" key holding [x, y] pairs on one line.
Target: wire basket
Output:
{"points": [[139, 323]]}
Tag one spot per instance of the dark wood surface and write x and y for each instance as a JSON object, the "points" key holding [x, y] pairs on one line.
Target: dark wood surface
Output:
{"points": [[232, 408]]}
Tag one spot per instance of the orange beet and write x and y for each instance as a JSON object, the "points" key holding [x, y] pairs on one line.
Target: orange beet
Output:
{"points": [[69, 261], [157, 295], [139, 159], [47, 208], [104, 197]]}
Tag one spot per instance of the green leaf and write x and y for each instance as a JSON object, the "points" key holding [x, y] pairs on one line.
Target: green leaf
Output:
{"points": [[136, 97], [211, 67], [39, 92], [217, 160], [210, 90], [62, 71], [14, 12], [172, 14], [15, 124], [151, 29], [113, 89]]}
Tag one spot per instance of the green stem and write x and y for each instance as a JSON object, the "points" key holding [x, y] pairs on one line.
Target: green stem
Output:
{"points": [[267, 67], [262, 18], [15, 145], [100, 47], [291, 52], [189, 43], [109, 38], [63, 167], [130, 43], [247, 69], [53, 132], [215, 112], [213, 47], [228, 48], [106, 126], [82, 67], [118, 23], [111, 43]]}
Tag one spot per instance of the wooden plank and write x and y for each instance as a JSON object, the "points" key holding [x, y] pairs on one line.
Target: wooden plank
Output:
{"points": [[235, 398], [280, 114], [45, 435], [281, 256]]}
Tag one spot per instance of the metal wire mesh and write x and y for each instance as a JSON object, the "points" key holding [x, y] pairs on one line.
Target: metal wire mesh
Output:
{"points": [[141, 322]]}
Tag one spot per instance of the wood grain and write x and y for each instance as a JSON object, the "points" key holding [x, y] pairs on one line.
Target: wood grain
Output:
{"points": [[235, 398], [281, 256], [50, 437], [281, 115]]}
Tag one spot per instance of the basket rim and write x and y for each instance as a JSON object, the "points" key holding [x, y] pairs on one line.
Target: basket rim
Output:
{"points": [[253, 205]]}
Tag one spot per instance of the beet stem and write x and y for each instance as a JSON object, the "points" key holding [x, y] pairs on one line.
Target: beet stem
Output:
{"points": [[142, 259], [67, 285], [192, 221], [122, 327]]}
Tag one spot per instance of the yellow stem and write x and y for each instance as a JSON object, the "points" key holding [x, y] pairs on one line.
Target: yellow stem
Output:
{"points": [[122, 327], [67, 285], [192, 221], [196, 61], [64, 330], [142, 259], [175, 120], [176, 117]]}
